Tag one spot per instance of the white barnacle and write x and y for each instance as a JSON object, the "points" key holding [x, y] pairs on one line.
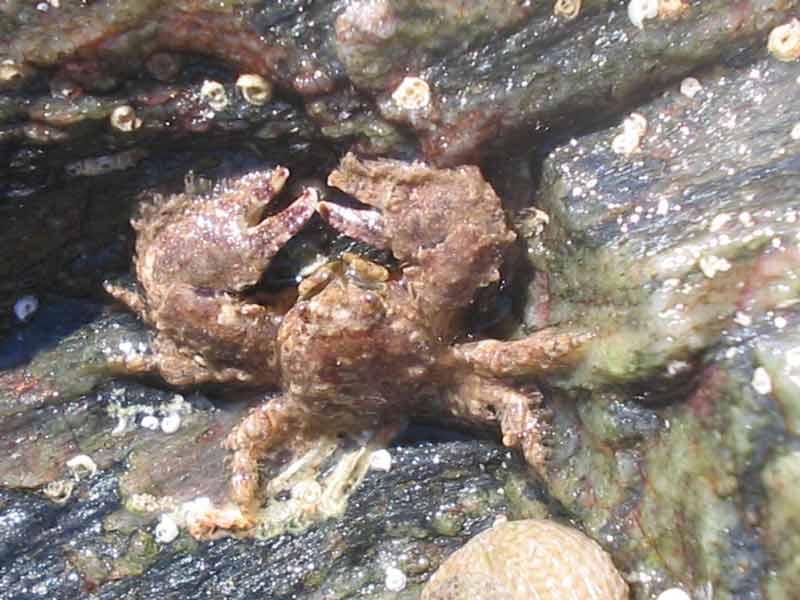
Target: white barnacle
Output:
{"points": [[674, 594], [413, 93], [59, 491], [672, 9], [784, 41], [10, 71], [380, 460], [167, 530], [690, 87], [214, 93], [25, 307], [633, 129], [171, 423], [123, 118], [150, 422], [710, 265], [761, 382], [395, 580], [567, 9], [82, 465], [641, 10], [254, 88]]}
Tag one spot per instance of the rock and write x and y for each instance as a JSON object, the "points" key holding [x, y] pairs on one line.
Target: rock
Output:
{"points": [[527, 559], [682, 256], [664, 221]]}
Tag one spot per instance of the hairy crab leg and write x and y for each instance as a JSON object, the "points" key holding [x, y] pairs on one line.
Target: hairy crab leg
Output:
{"points": [[361, 224], [522, 421], [541, 353], [262, 429], [130, 298]]}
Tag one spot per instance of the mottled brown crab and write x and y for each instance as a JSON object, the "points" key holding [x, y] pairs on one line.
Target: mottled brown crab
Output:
{"points": [[362, 347]]}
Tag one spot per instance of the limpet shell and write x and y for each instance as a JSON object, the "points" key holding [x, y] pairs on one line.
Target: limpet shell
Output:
{"points": [[520, 560]]}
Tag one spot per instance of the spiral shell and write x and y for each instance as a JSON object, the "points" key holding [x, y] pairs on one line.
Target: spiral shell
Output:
{"points": [[519, 560]]}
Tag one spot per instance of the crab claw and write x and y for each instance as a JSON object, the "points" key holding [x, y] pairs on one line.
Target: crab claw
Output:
{"points": [[362, 224], [275, 231]]}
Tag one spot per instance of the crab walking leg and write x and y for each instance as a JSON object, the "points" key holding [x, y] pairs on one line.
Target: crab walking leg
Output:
{"points": [[130, 298], [546, 351], [522, 421], [361, 224], [266, 426]]}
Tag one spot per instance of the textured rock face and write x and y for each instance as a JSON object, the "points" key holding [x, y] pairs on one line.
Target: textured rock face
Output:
{"points": [[527, 559], [683, 255], [669, 234]]}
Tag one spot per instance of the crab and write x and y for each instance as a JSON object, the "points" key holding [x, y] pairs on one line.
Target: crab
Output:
{"points": [[360, 346]]}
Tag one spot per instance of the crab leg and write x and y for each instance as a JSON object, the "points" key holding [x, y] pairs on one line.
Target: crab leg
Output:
{"points": [[265, 427], [544, 352], [522, 421], [361, 224]]}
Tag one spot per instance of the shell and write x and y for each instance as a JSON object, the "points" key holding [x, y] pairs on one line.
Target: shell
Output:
{"points": [[784, 41], [567, 9], [520, 560], [254, 88]]}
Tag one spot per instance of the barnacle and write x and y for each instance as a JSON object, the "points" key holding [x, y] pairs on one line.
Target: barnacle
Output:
{"points": [[124, 118], [413, 93], [641, 10], [784, 41], [633, 130], [25, 307], [690, 87], [672, 9], [568, 9], [214, 93], [10, 71], [82, 465], [533, 558], [255, 89]]}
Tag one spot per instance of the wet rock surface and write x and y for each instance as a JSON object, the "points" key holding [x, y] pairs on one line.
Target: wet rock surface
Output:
{"points": [[670, 234], [107, 536]]}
